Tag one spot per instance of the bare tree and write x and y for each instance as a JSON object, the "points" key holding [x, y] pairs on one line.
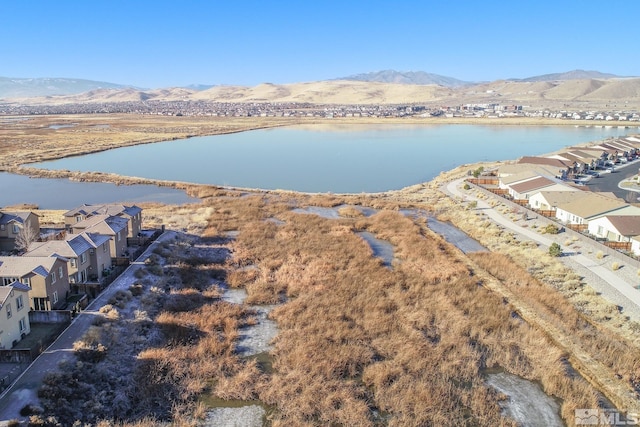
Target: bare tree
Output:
{"points": [[25, 237]]}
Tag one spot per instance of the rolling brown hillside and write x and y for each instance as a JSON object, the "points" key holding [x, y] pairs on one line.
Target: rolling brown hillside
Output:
{"points": [[585, 93]]}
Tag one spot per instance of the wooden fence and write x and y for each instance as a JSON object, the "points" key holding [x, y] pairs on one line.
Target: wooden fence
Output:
{"points": [[547, 213], [578, 227], [484, 181], [620, 246]]}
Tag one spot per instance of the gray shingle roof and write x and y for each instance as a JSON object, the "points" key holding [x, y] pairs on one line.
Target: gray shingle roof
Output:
{"points": [[20, 266], [71, 247]]}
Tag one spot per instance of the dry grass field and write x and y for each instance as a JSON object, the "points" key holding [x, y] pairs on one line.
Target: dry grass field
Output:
{"points": [[359, 344]]}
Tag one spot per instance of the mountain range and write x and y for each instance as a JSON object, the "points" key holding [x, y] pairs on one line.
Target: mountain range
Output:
{"points": [[577, 87]]}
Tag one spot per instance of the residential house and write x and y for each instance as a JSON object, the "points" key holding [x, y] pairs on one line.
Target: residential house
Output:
{"points": [[592, 206], [563, 168], [133, 214], [13, 223], [549, 200], [14, 314], [115, 227], [88, 255], [523, 190], [616, 228], [598, 157], [526, 170], [47, 278]]}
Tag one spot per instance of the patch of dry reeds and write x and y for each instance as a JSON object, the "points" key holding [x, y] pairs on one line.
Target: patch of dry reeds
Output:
{"points": [[409, 342]]}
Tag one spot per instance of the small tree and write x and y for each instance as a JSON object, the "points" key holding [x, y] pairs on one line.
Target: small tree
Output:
{"points": [[25, 237], [477, 172], [555, 250]]}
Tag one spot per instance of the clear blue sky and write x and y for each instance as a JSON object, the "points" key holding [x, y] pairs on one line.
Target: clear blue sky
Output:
{"points": [[175, 43]]}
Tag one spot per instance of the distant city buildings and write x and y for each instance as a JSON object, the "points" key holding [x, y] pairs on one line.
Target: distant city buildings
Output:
{"points": [[274, 109]]}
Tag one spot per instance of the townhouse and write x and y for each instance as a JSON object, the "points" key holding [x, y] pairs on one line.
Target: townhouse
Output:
{"points": [[133, 215], [12, 224], [88, 255], [14, 314], [115, 227], [46, 277]]}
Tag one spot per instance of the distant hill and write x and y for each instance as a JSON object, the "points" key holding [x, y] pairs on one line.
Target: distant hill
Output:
{"points": [[32, 87], [569, 75], [198, 87], [560, 91], [407, 77]]}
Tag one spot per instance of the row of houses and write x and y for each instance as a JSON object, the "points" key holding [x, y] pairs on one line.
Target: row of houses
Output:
{"points": [[554, 186], [42, 273]]}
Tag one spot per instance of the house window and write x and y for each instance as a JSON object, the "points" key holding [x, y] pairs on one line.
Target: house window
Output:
{"points": [[16, 229], [60, 272], [8, 280], [26, 281], [73, 262], [23, 325], [83, 258], [2, 227], [104, 247], [118, 236], [8, 311], [600, 230], [40, 303], [19, 303], [53, 277], [55, 297]]}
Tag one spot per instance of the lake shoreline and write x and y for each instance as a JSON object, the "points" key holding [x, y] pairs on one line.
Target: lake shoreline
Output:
{"points": [[193, 188]]}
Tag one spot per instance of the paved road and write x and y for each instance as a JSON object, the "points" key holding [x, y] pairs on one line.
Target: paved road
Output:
{"points": [[608, 182], [615, 281], [24, 390]]}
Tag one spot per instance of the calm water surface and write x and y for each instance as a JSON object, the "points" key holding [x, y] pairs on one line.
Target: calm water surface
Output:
{"points": [[61, 193], [347, 159]]}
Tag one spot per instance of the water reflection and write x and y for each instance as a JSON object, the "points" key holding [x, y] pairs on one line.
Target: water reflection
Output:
{"points": [[61, 193]]}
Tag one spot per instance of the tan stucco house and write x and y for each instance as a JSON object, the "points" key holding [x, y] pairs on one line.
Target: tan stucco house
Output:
{"points": [[47, 278], [12, 223], [14, 314]]}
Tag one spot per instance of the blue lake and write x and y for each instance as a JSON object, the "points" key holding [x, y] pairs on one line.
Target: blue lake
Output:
{"points": [[339, 159], [60, 193]]}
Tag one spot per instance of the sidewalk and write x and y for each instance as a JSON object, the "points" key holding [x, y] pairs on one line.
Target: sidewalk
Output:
{"points": [[616, 286], [24, 390]]}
